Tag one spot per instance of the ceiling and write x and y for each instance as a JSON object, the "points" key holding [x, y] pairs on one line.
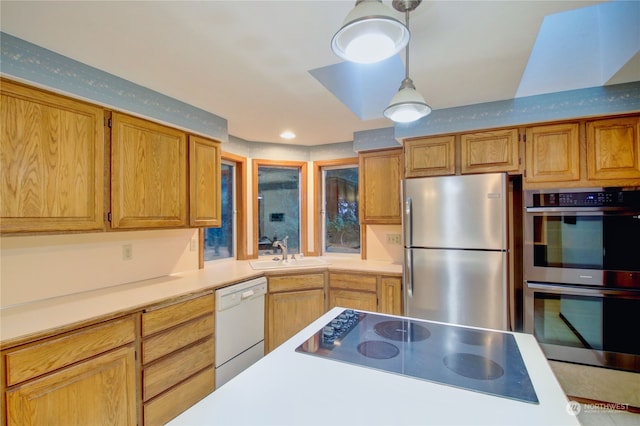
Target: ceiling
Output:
{"points": [[258, 63]]}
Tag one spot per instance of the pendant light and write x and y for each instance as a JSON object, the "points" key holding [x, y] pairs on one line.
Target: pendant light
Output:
{"points": [[370, 33], [408, 104]]}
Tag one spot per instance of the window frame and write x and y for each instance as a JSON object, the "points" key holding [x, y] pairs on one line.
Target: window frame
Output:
{"points": [[318, 204], [240, 211], [302, 169]]}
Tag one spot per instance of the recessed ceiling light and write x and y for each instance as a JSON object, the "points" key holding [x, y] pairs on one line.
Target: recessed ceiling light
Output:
{"points": [[287, 134]]}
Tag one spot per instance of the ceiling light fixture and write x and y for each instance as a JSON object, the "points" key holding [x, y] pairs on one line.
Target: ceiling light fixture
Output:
{"points": [[370, 34], [287, 134], [408, 104]]}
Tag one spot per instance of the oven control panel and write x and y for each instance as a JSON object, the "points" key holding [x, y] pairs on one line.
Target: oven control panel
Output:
{"points": [[607, 198]]}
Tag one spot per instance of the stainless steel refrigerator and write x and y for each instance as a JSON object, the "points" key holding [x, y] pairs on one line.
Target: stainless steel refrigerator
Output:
{"points": [[455, 249]]}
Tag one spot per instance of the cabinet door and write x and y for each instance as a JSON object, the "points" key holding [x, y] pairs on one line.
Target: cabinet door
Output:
{"points": [[290, 312], [390, 295], [433, 156], [148, 174], [204, 182], [101, 390], [552, 153], [486, 152], [613, 148], [380, 173], [360, 300], [52, 162]]}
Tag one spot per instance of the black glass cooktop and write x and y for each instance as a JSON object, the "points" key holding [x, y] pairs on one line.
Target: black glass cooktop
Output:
{"points": [[477, 360]]}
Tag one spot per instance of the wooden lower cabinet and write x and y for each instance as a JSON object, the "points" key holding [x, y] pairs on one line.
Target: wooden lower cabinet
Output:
{"points": [[367, 292], [390, 301], [85, 376], [293, 302], [98, 391], [177, 357], [354, 291]]}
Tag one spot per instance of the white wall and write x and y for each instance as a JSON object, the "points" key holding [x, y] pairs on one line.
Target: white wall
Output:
{"points": [[42, 267]]}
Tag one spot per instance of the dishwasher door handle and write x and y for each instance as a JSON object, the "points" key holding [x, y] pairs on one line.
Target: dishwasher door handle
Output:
{"points": [[247, 294]]}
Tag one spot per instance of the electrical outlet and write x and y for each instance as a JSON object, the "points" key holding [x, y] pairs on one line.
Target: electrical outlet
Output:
{"points": [[127, 252], [394, 239], [194, 244]]}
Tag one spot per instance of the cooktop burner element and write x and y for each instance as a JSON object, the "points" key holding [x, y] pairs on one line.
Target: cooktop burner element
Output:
{"points": [[402, 331], [378, 349], [479, 360], [473, 366]]}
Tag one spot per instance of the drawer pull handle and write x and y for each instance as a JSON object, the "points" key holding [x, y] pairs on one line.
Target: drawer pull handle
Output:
{"points": [[247, 294]]}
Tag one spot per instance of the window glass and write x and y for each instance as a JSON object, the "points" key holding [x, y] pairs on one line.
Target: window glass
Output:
{"points": [[219, 242], [278, 208], [341, 226]]}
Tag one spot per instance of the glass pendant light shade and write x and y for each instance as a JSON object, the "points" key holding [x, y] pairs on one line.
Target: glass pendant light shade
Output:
{"points": [[369, 34], [407, 105]]}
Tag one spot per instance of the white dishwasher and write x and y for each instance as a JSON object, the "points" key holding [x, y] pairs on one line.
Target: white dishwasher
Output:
{"points": [[239, 327]]}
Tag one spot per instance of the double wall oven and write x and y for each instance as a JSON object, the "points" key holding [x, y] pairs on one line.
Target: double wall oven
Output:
{"points": [[582, 275]]}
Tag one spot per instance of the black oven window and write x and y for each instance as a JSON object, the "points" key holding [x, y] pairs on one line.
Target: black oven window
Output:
{"points": [[608, 242], [598, 323]]}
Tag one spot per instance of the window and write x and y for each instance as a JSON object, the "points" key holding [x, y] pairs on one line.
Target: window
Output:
{"points": [[280, 211], [220, 243], [340, 223], [336, 201]]}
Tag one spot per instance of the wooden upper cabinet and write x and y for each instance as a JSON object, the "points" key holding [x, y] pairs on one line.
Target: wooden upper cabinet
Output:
{"points": [[52, 162], [148, 174], [552, 153], [487, 152], [204, 182], [380, 174], [613, 148], [432, 156]]}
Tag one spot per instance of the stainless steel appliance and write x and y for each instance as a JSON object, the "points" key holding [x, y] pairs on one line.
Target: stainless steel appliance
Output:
{"points": [[582, 274], [455, 249], [239, 327], [469, 358]]}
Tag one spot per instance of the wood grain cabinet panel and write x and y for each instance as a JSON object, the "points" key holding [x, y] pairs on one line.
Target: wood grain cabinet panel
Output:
{"points": [[552, 153], [178, 354], [380, 174], [432, 156], [390, 301], [493, 151], [24, 363], [205, 205], [101, 390], [291, 311], [52, 162], [180, 397], [148, 174], [293, 302], [360, 300], [350, 281], [613, 148]]}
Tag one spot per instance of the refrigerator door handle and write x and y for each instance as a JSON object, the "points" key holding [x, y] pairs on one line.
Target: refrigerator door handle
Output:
{"points": [[408, 273], [408, 219]]}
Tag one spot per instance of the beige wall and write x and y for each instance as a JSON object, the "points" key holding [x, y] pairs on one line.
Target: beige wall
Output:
{"points": [[41, 267]]}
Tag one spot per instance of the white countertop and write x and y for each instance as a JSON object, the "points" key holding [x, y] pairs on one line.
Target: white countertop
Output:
{"points": [[290, 388], [33, 319]]}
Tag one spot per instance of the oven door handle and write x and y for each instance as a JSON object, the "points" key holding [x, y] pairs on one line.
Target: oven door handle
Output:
{"points": [[582, 291]]}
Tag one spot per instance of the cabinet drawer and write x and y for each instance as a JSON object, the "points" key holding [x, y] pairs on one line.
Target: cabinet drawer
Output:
{"points": [[353, 282], [49, 355], [158, 319], [170, 371], [296, 282], [169, 405], [164, 343]]}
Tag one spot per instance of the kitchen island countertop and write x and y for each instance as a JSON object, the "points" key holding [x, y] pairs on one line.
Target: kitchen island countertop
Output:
{"points": [[287, 387]]}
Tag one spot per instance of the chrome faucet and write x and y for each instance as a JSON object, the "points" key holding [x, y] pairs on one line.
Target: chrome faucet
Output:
{"points": [[283, 246]]}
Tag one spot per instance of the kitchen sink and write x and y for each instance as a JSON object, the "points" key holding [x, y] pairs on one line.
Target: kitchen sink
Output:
{"points": [[291, 263]]}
